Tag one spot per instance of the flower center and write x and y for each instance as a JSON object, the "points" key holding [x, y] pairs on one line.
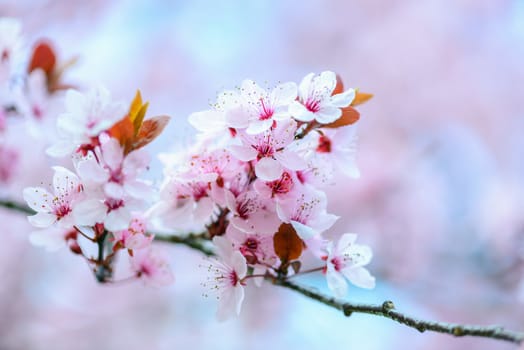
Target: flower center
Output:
{"points": [[282, 185], [266, 112], [313, 105], [324, 144]]}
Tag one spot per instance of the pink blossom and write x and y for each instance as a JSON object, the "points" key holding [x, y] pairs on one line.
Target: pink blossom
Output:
{"points": [[347, 260], [152, 267], [56, 207], [227, 274], [315, 100], [270, 151], [116, 172], [134, 237], [306, 211], [86, 117], [279, 188], [261, 108], [251, 213]]}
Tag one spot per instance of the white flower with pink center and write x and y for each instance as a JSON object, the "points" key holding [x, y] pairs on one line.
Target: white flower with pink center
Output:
{"points": [[214, 121], [251, 213], [57, 207], [306, 211], [226, 278], [86, 117], [116, 172], [134, 237], [151, 266], [333, 147], [346, 260], [260, 108], [270, 151], [315, 99], [185, 204], [278, 189]]}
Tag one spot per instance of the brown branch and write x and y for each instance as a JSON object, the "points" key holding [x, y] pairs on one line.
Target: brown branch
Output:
{"points": [[386, 309]]}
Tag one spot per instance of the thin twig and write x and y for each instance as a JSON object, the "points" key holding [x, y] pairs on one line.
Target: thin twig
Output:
{"points": [[386, 309], [12, 205], [192, 241]]}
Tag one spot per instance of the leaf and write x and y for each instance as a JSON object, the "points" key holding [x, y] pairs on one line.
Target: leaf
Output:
{"points": [[43, 58], [150, 130], [124, 132], [339, 88], [137, 111], [349, 116], [361, 98], [288, 246]]}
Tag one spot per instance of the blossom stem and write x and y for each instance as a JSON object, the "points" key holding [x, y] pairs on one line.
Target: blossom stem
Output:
{"points": [[83, 234], [316, 269]]}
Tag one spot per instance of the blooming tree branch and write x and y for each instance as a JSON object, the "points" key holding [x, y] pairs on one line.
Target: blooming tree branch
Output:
{"points": [[254, 183], [387, 309]]}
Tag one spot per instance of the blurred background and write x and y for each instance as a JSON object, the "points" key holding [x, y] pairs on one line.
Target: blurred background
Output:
{"points": [[441, 152]]}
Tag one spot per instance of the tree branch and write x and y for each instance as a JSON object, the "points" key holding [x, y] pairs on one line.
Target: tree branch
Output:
{"points": [[386, 309], [12, 205]]}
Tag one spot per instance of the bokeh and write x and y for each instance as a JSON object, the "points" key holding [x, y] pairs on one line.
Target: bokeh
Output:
{"points": [[440, 199]]}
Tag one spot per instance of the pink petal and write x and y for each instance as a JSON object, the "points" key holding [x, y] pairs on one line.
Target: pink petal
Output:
{"points": [[300, 112], [268, 169], [290, 160], [343, 99], [243, 153], [42, 220], [336, 283], [38, 199]]}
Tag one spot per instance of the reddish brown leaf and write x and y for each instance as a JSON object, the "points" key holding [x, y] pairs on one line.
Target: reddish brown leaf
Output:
{"points": [[288, 246], [124, 132], [349, 116], [339, 88], [360, 98], [43, 57], [149, 130]]}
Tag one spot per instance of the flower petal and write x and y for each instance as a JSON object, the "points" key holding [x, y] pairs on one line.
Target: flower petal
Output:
{"points": [[268, 169]]}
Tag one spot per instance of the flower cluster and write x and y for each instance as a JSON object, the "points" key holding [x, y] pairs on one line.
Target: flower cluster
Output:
{"points": [[103, 200], [254, 183], [30, 94]]}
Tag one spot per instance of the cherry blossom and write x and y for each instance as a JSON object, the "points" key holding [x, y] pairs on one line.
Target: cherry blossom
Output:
{"points": [[134, 237], [346, 260], [269, 150], [116, 172], [261, 108], [227, 274], [151, 266], [306, 211], [315, 99], [251, 213], [56, 207], [86, 117]]}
